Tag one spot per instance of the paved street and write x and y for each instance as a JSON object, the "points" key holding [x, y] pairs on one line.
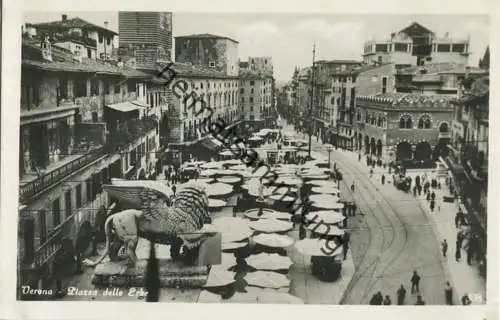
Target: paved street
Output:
{"points": [[395, 239]]}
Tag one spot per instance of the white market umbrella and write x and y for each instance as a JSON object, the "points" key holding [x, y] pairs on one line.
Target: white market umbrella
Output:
{"points": [[323, 198], [233, 245], [325, 229], [322, 183], [209, 297], [238, 167], [315, 175], [219, 277], [218, 189], [207, 173], [254, 138], [205, 180], [273, 240], [267, 279], [325, 217], [259, 295], [229, 180], [267, 214], [318, 247], [271, 225], [212, 165], [326, 189], [232, 229], [328, 205], [269, 261], [290, 181], [216, 203], [283, 198], [226, 153], [228, 260], [232, 162]]}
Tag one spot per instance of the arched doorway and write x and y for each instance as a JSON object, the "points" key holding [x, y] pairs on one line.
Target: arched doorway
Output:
{"points": [[443, 127], [403, 151], [423, 151], [367, 145], [373, 147], [379, 148]]}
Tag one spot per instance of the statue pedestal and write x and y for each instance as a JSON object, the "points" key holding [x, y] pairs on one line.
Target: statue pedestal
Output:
{"points": [[173, 274]]}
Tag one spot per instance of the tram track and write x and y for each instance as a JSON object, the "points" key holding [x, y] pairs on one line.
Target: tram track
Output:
{"points": [[380, 209]]}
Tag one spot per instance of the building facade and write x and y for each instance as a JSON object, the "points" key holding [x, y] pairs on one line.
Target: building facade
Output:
{"points": [[83, 38], [416, 45], [412, 129], [145, 38], [210, 51], [185, 127], [256, 98], [468, 157], [70, 144]]}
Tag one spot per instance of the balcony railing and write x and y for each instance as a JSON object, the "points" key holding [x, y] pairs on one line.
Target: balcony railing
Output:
{"points": [[45, 180]]}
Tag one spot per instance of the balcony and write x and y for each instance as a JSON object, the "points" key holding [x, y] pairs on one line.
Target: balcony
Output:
{"points": [[54, 172], [129, 131]]}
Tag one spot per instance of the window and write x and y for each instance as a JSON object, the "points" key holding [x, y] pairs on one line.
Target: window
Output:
{"points": [[43, 225], [101, 38], [88, 187], [95, 117], [212, 64], [251, 91], [131, 86], [252, 83], [242, 91], [384, 85], [405, 122], [424, 122], [63, 88], [56, 212], [400, 47], [94, 87], [381, 48], [458, 47], [80, 87], [108, 41], [117, 88], [67, 203], [78, 191], [251, 99], [443, 48]]}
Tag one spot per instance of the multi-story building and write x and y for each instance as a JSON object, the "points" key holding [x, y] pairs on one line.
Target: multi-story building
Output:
{"points": [[410, 128], [260, 64], [302, 80], [468, 157], [81, 124], [256, 98], [145, 38], [84, 39], [186, 133], [416, 45], [208, 50]]}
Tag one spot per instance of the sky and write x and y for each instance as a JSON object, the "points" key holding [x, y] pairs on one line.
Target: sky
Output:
{"points": [[288, 38]]}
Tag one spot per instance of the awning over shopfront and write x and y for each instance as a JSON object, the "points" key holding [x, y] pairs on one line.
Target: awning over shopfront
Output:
{"points": [[126, 106], [211, 143]]}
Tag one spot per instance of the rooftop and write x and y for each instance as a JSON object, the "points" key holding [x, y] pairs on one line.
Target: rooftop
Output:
{"points": [[409, 100], [70, 24], [63, 61], [338, 62], [190, 70], [205, 36], [436, 68], [248, 74]]}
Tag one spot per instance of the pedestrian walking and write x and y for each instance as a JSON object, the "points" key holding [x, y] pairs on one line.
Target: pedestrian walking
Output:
{"points": [[433, 195], [415, 282], [359, 157], [352, 186], [415, 191], [345, 243], [373, 300], [401, 293], [458, 252], [380, 298], [420, 301], [432, 205], [383, 179], [390, 169], [354, 209], [470, 254], [448, 294], [466, 300], [428, 197], [419, 189], [444, 247], [387, 300], [460, 238], [174, 189]]}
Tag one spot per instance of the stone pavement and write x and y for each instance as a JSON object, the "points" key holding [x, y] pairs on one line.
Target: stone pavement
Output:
{"points": [[464, 278]]}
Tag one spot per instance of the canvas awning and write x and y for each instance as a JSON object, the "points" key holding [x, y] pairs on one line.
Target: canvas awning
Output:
{"points": [[211, 143], [126, 106]]}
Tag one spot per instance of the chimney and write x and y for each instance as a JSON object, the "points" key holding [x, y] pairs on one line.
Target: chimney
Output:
{"points": [[106, 24], [64, 17]]}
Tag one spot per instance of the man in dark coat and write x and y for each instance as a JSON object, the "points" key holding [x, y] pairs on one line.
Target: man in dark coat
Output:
{"points": [[345, 243], [401, 295], [415, 282], [448, 294], [383, 179]]}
